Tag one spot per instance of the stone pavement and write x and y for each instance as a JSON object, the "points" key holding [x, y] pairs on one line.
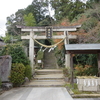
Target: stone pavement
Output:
{"points": [[39, 93]]}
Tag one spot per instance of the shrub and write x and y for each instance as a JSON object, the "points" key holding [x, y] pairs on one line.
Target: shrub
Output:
{"points": [[85, 70], [59, 54], [17, 74], [66, 72], [28, 72], [17, 53], [40, 55], [90, 24]]}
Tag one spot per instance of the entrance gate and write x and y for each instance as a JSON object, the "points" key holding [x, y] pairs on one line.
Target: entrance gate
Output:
{"points": [[33, 37]]}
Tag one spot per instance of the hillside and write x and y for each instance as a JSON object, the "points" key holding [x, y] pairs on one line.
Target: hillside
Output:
{"points": [[90, 29]]}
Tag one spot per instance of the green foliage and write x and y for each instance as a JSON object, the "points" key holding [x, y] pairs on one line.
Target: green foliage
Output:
{"points": [[66, 72], [17, 74], [38, 8], [70, 86], [7, 39], [85, 70], [0, 83], [40, 55], [47, 21], [75, 89], [88, 25], [60, 57], [78, 7], [86, 59], [61, 8], [67, 8], [29, 20], [93, 1], [11, 25], [12, 39], [28, 72], [17, 53], [85, 64]]}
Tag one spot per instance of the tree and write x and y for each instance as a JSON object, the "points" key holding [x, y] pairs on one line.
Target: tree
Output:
{"points": [[13, 20], [38, 8], [67, 8], [19, 16], [92, 3], [77, 8], [61, 8], [47, 21], [10, 25], [29, 20]]}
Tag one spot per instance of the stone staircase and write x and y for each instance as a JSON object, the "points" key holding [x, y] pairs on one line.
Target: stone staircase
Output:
{"points": [[50, 61], [48, 78]]}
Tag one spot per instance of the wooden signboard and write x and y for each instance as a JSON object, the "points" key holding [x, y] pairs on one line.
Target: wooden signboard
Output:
{"points": [[49, 32]]}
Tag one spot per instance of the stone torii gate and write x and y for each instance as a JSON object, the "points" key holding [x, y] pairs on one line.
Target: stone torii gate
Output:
{"points": [[32, 31]]}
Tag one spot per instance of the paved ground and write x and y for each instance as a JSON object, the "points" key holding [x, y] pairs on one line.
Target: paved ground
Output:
{"points": [[33, 93]]}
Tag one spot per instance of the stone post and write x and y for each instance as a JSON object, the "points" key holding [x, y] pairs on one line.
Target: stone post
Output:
{"points": [[67, 56], [5, 68], [31, 50]]}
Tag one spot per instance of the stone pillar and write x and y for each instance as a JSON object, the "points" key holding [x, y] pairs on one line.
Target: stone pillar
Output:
{"points": [[67, 56], [5, 68], [71, 67], [67, 60], [31, 50]]}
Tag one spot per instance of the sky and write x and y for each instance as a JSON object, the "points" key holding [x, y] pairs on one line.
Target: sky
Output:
{"points": [[9, 7]]}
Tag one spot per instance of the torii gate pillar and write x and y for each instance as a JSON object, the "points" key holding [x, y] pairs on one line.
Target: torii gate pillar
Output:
{"points": [[67, 56], [31, 50]]}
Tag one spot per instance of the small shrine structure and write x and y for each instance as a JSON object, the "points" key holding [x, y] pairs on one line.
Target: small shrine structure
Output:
{"points": [[82, 49]]}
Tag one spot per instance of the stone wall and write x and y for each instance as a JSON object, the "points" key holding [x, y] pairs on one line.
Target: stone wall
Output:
{"points": [[5, 67], [89, 83]]}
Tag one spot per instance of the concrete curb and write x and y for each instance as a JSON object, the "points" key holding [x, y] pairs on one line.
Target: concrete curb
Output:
{"points": [[82, 95], [85, 95]]}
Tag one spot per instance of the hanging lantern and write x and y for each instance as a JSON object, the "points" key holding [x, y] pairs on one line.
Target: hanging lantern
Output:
{"points": [[49, 32]]}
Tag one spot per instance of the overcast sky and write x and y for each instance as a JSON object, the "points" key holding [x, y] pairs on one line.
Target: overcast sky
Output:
{"points": [[8, 7]]}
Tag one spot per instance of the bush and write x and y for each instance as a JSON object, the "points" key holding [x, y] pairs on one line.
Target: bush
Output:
{"points": [[28, 72], [17, 74], [85, 70], [66, 72], [90, 24], [60, 56], [17, 53], [40, 55]]}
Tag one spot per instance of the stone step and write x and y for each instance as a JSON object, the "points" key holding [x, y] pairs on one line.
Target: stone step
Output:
{"points": [[49, 77], [45, 84], [60, 80], [50, 61], [49, 71]]}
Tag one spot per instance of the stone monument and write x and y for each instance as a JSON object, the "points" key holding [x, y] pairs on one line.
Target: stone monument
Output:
{"points": [[5, 67]]}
